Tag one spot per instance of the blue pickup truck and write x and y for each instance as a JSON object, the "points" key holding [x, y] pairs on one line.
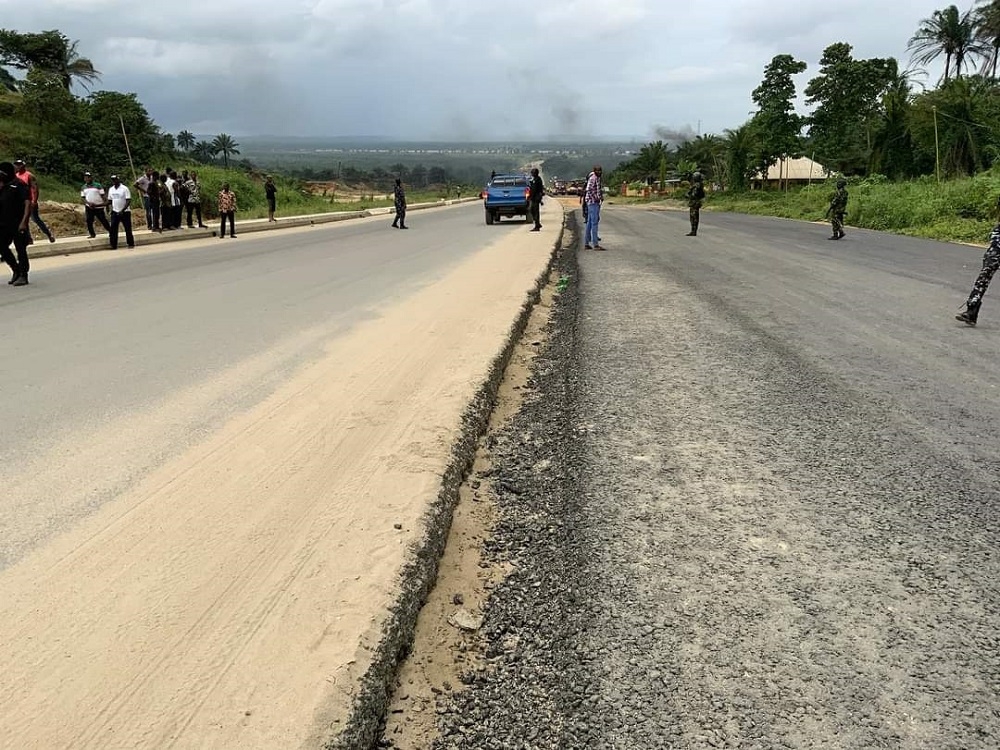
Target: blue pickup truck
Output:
{"points": [[506, 195]]}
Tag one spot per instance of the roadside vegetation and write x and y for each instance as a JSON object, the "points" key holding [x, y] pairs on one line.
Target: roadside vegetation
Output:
{"points": [[881, 126], [61, 135]]}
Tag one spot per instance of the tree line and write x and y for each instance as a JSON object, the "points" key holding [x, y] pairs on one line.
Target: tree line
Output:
{"points": [[868, 116]]}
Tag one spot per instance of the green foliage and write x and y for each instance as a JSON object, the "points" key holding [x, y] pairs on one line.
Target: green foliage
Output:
{"points": [[739, 165], [987, 20], [777, 127], [49, 52], [967, 124], [185, 140], [950, 33], [847, 94], [962, 210], [225, 144]]}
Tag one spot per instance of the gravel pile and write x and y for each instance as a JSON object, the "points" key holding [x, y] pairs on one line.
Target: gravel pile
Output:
{"points": [[717, 544]]}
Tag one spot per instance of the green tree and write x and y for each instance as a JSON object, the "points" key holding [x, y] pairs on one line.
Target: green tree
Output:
{"points": [[7, 81], [74, 68], [777, 126], [987, 20], [968, 113], [204, 151], [46, 102], [185, 140], [847, 94], [739, 151], [950, 33], [892, 143], [706, 151], [49, 51], [225, 145]]}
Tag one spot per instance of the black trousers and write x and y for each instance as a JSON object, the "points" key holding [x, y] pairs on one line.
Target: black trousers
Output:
{"points": [[96, 213], [231, 215], [19, 264], [125, 219], [535, 208], [194, 208], [400, 216], [154, 217]]}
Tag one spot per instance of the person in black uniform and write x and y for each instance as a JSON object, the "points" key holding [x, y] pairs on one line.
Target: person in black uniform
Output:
{"points": [[271, 193], [537, 188], [15, 211], [399, 201]]}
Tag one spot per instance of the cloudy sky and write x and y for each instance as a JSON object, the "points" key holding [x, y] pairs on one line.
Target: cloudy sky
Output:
{"points": [[455, 69]]}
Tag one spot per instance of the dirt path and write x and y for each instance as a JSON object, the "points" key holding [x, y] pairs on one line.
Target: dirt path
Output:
{"points": [[233, 598]]}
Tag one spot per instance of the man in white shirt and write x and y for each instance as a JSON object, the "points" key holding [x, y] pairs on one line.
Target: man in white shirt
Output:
{"points": [[120, 199], [175, 199], [93, 201]]}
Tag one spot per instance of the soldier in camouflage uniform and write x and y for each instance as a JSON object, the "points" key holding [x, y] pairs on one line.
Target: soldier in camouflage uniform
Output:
{"points": [[991, 262], [837, 209], [695, 195], [399, 200]]}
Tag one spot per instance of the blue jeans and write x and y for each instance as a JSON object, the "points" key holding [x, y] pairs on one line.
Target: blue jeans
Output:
{"points": [[38, 220], [593, 219]]}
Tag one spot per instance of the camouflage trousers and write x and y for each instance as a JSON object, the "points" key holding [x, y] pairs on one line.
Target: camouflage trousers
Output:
{"points": [[837, 220], [991, 262], [694, 213]]}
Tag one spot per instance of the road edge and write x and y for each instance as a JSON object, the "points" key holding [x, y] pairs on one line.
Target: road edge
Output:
{"points": [[419, 573]]}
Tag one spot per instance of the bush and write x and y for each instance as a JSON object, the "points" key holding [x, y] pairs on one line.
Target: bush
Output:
{"points": [[957, 210]]}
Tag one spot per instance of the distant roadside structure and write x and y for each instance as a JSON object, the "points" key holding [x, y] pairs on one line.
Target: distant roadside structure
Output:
{"points": [[786, 172]]}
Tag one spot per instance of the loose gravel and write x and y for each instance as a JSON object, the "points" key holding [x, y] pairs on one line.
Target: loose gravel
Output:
{"points": [[716, 543]]}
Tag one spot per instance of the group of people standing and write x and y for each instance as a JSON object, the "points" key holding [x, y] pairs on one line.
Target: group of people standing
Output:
{"points": [[166, 196]]}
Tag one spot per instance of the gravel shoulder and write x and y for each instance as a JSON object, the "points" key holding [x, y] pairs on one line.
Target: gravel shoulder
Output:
{"points": [[749, 502]]}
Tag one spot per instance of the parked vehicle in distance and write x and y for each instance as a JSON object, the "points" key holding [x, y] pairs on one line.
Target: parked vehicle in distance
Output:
{"points": [[506, 195]]}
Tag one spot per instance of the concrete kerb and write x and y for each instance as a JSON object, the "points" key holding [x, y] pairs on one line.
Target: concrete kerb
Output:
{"points": [[75, 245], [420, 573]]}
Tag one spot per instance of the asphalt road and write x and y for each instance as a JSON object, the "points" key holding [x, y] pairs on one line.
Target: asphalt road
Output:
{"points": [[752, 502], [115, 362]]}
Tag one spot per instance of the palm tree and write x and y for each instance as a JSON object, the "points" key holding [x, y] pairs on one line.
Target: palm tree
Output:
{"points": [[225, 145], [71, 67], [739, 145], [987, 19], [185, 140], [950, 33], [204, 151]]}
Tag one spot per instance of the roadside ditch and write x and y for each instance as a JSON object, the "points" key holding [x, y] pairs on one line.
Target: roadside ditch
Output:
{"points": [[430, 643], [449, 650]]}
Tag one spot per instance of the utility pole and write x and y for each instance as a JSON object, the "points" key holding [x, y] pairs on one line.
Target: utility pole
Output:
{"points": [[937, 147]]}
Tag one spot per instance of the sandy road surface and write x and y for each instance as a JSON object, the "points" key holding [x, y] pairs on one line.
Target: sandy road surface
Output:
{"points": [[225, 594], [752, 502]]}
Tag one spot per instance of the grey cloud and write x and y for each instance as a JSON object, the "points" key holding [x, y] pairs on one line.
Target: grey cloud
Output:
{"points": [[452, 68]]}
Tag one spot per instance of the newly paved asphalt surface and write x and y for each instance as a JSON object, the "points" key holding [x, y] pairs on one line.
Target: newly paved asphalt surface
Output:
{"points": [[752, 503], [116, 363]]}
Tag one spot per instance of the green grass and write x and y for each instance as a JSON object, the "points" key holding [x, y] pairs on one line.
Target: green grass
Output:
{"points": [[960, 210]]}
